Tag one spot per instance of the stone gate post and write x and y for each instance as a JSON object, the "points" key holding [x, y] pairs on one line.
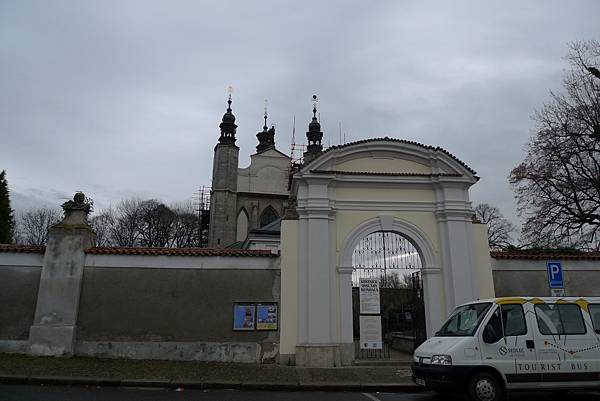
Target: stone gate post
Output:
{"points": [[54, 326]]}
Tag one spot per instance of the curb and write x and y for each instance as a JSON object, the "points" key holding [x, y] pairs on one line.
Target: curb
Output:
{"points": [[208, 385]]}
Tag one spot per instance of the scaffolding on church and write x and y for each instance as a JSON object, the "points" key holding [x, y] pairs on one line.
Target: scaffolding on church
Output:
{"points": [[202, 207]]}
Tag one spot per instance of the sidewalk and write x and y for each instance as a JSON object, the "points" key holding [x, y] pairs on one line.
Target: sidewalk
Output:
{"points": [[206, 375]]}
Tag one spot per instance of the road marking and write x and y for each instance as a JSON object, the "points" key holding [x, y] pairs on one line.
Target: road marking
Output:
{"points": [[371, 396]]}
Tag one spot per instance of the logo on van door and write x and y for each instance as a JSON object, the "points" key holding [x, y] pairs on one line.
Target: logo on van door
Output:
{"points": [[503, 350]]}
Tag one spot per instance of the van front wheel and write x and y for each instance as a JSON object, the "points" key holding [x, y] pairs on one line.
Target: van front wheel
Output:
{"points": [[485, 387]]}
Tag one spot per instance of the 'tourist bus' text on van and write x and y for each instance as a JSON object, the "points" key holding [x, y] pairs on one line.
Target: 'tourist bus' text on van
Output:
{"points": [[489, 346]]}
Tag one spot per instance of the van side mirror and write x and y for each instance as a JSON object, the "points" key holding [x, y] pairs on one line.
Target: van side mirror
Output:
{"points": [[490, 336]]}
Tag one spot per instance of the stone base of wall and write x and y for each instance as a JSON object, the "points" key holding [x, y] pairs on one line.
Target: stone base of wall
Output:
{"points": [[183, 351], [51, 340], [13, 346], [324, 355]]}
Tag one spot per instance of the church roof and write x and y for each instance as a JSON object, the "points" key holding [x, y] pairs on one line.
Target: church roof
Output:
{"points": [[362, 141], [271, 228], [274, 149]]}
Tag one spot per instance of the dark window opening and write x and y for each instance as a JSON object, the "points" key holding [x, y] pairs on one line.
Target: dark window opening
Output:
{"points": [[268, 216]]}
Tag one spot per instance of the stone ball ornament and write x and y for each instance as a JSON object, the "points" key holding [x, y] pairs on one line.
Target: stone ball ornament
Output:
{"points": [[79, 197]]}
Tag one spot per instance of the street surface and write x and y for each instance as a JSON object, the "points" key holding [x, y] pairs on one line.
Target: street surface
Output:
{"points": [[67, 393]]}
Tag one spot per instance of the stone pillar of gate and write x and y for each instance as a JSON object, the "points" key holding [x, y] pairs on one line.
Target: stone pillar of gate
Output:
{"points": [[55, 322], [432, 286], [456, 235], [318, 307]]}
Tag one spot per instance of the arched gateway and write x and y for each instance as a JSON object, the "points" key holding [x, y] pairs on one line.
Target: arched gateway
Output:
{"points": [[350, 192]]}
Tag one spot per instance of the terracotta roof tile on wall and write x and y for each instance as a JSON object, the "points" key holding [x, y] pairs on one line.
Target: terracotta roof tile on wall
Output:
{"points": [[545, 256], [179, 251], [384, 173], [22, 248]]}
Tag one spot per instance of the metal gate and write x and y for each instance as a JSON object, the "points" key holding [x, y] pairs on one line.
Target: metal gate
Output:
{"points": [[395, 262]]}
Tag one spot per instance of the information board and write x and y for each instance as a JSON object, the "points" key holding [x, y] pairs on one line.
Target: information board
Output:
{"points": [[266, 316], [243, 317], [369, 295], [370, 332]]}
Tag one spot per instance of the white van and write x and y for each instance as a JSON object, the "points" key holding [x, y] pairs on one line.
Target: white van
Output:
{"points": [[490, 346]]}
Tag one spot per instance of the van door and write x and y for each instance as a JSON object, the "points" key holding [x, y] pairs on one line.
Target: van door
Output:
{"points": [[594, 315], [564, 344], [513, 353]]}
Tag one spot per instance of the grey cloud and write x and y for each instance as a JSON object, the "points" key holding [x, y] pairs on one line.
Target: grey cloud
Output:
{"points": [[124, 99]]}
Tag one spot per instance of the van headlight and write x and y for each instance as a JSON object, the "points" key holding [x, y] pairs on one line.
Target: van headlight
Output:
{"points": [[441, 360]]}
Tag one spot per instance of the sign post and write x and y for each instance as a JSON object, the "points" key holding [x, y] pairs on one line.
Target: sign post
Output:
{"points": [[556, 278]]}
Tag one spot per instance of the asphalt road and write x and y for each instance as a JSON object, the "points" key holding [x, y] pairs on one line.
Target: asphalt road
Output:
{"points": [[67, 393]]}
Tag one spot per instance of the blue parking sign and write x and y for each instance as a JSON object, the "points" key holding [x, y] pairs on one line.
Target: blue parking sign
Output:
{"points": [[555, 275]]}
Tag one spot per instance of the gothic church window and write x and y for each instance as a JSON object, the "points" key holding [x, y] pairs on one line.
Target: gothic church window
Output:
{"points": [[268, 216], [242, 225]]}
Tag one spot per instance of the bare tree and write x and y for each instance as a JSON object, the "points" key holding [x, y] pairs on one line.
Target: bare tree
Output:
{"points": [[396, 280], [149, 223], [155, 224], [125, 222], [103, 226], [186, 229], [33, 225], [558, 184], [500, 230]]}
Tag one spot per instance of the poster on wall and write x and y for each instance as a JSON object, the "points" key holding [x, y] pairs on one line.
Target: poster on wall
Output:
{"points": [[266, 316], [370, 332], [243, 317], [369, 295]]}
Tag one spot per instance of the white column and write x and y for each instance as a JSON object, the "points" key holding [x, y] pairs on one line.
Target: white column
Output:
{"points": [[318, 280], [458, 258], [346, 326], [432, 290]]}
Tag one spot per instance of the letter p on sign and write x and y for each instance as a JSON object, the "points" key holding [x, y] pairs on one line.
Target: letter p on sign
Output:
{"points": [[555, 275]]}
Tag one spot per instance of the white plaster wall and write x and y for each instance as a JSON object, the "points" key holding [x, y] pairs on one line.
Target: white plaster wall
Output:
{"points": [[529, 277], [380, 164], [346, 221], [422, 197], [267, 173], [19, 259], [289, 286], [483, 266]]}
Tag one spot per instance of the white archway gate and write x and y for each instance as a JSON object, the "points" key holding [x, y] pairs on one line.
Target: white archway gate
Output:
{"points": [[429, 268], [355, 190]]}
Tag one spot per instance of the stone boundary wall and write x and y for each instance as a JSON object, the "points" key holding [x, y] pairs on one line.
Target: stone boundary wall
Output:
{"points": [[19, 284], [142, 303], [527, 276]]}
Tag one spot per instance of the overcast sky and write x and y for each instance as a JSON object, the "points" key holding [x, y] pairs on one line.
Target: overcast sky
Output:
{"points": [[124, 98]]}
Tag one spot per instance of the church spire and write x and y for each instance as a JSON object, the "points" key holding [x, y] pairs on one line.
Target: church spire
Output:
{"points": [[314, 136], [266, 138], [227, 125]]}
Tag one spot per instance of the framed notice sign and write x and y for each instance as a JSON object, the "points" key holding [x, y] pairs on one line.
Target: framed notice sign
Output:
{"points": [[370, 332], [266, 316], [243, 317], [369, 295]]}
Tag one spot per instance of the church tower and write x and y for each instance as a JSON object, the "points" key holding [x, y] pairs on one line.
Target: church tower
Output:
{"points": [[314, 135], [223, 198]]}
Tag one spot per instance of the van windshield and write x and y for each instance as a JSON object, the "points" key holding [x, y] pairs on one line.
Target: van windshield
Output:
{"points": [[464, 320]]}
